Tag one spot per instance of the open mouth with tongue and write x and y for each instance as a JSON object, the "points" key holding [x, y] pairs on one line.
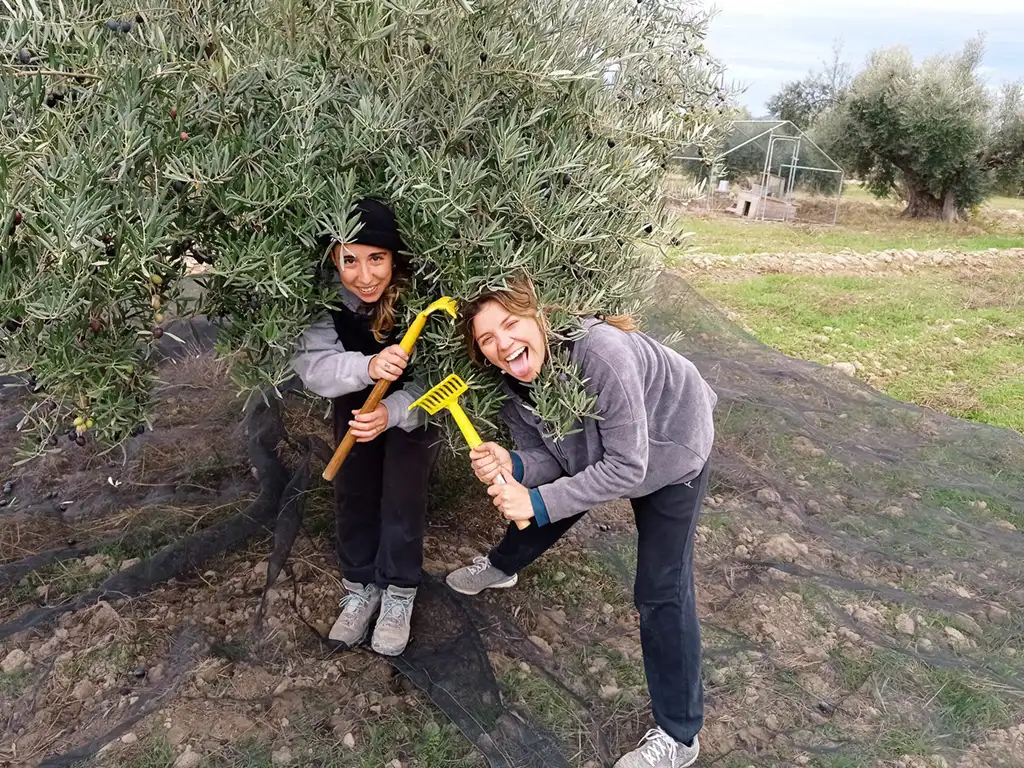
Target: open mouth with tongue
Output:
{"points": [[518, 363]]}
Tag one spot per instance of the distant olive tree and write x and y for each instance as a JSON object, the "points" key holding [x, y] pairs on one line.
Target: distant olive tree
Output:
{"points": [[931, 132]]}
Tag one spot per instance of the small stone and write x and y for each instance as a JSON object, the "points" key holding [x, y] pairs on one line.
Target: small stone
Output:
{"points": [[609, 691], [282, 756], [542, 644], [998, 615], [783, 547], [84, 690], [741, 551], [717, 677], [8, 487], [769, 496], [16, 661], [850, 369], [820, 339], [129, 738], [396, 763], [956, 637], [349, 741], [905, 624], [131, 562], [924, 645], [188, 759], [559, 576]]}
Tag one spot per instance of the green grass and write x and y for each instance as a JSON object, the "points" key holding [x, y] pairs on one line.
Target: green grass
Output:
{"points": [[902, 329], [409, 737], [967, 705], [863, 225]]}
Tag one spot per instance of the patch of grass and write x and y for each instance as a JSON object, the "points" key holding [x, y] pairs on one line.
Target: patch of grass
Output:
{"points": [[407, 736], [967, 705], [553, 708], [863, 225], [964, 504], [841, 761], [13, 683], [152, 752], [928, 338], [896, 742]]}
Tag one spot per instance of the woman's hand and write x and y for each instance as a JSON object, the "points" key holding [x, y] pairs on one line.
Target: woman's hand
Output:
{"points": [[490, 459], [389, 364], [512, 499], [367, 426]]}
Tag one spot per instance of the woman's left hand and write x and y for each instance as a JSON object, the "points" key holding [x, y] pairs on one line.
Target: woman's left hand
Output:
{"points": [[367, 426], [512, 499]]}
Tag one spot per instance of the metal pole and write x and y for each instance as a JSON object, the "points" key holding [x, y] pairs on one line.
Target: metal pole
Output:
{"points": [[835, 213], [761, 194], [792, 175]]}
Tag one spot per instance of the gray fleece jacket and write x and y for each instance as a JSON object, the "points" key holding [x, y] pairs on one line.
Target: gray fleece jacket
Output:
{"points": [[654, 427], [329, 370]]}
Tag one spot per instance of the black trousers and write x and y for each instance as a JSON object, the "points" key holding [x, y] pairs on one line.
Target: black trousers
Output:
{"points": [[380, 501], [666, 522]]}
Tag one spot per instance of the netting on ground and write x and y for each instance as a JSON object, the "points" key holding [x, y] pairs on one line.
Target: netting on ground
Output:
{"points": [[860, 583], [763, 170]]}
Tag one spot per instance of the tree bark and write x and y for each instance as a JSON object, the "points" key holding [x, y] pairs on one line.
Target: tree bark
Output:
{"points": [[924, 205]]}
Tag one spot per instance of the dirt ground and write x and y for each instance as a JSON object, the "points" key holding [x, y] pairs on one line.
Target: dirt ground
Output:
{"points": [[827, 643]]}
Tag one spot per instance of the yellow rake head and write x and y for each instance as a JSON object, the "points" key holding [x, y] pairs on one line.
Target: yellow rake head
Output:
{"points": [[447, 303], [444, 395]]}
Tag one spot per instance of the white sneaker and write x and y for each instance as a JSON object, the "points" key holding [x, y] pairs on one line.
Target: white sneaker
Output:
{"points": [[659, 750], [481, 575], [391, 634], [358, 608]]}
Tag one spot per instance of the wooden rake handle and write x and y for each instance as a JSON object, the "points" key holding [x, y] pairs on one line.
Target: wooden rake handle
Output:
{"points": [[520, 524], [343, 450]]}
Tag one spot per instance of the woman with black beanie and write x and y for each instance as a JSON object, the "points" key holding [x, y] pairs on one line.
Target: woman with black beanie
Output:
{"points": [[380, 493]]}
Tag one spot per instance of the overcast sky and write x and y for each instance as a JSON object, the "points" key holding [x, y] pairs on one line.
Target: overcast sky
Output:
{"points": [[764, 43]]}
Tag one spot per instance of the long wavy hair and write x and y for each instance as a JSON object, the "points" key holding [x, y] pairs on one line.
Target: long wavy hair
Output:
{"points": [[519, 299]]}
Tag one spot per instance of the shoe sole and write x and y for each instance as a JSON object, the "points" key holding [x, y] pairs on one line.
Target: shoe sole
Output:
{"points": [[509, 582], [362, 638]]}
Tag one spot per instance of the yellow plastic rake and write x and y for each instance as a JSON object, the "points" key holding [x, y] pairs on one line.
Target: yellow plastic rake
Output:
{"points": [[444, 304], [446, 396]]}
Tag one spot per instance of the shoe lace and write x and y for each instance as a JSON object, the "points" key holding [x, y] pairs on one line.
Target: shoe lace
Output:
{"points": [[480, 564], [352, 603], [395, 610], [659, 746]]}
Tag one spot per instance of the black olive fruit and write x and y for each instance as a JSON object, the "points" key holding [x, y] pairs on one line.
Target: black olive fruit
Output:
{"points": [[80, 441], [25, 56], [126, 27], [113, 25]]}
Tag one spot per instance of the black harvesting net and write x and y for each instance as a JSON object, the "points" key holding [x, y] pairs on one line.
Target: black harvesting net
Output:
{"points": [[860, 582]]}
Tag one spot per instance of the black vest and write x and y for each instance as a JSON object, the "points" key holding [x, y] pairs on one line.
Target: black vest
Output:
{"points": [[355, 333]]}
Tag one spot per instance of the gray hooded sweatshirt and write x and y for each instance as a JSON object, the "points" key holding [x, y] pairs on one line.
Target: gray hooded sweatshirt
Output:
{"points": [[329, 370], [654, 427]]}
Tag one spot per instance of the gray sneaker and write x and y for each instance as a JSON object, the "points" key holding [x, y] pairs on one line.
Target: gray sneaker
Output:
{"points": [[391, 634], [659, 750], [481, 575], [358, 608]]}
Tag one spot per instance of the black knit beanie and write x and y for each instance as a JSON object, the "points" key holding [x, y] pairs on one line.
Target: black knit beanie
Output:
{"points": [[379, 226]]}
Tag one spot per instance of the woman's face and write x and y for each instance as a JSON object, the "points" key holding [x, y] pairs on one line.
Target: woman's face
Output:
{"points": [[513, 343], [365, 269]]}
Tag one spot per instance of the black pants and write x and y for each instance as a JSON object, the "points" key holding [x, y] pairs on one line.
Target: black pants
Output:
{"points": [[380, 501], [666, 522]]}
